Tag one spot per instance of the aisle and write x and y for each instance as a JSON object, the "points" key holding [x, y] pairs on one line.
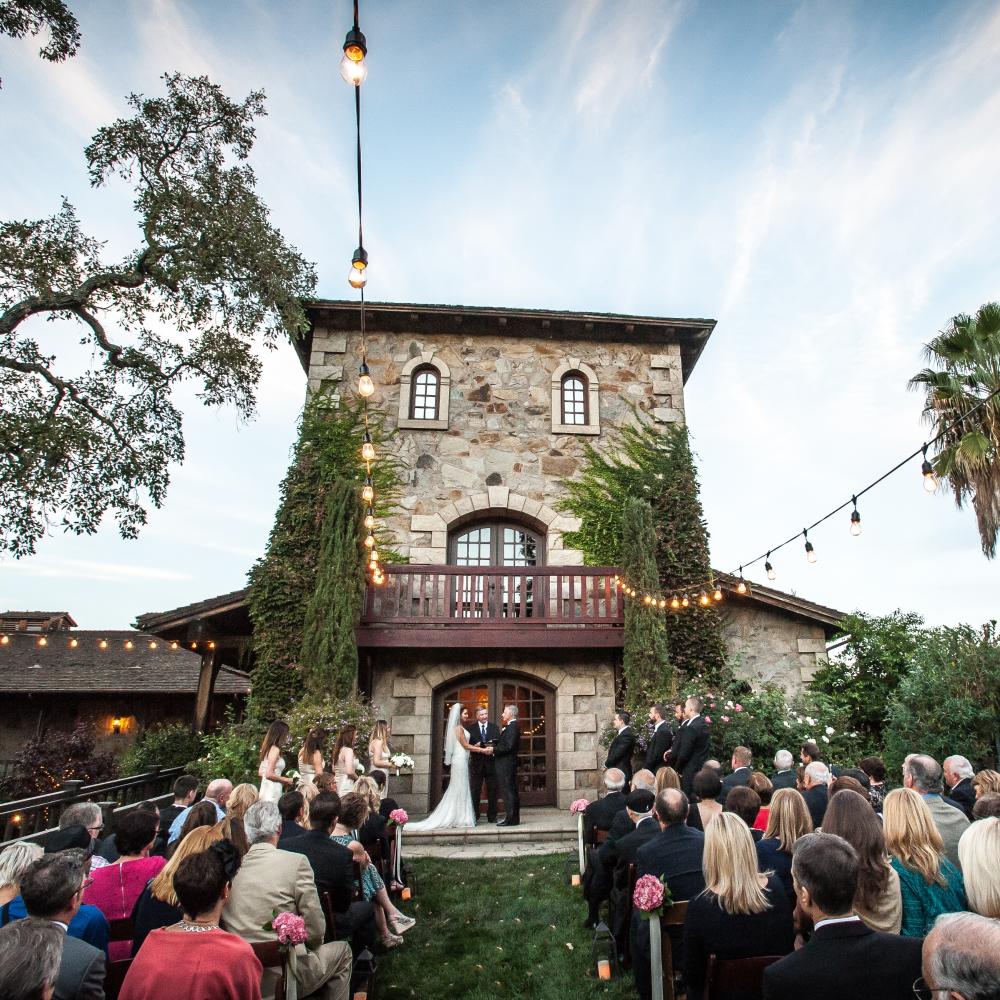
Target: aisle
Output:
{"points": [[495, 929]]}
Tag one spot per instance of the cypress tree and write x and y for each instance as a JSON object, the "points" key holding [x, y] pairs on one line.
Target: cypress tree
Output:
{"points": [[645, 663], [329, 657]]}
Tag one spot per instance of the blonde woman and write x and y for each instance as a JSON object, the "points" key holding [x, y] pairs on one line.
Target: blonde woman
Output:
{"points": [[787, 820], [979, 851], [379, 752], [742, 912], [311, 756], [309, 792], [985, 782], [240, 800], [14, 862], [930, 884], [666, 777]]}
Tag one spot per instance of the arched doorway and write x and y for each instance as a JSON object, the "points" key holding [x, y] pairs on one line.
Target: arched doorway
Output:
{"points": [[535, 702]]}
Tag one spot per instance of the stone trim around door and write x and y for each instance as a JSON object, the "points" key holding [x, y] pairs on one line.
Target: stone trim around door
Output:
{"points": [[404, 421], [593, 424], [497, 501]]}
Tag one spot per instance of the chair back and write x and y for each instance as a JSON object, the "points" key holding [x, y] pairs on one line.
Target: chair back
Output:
{"points": [[114, 978], [746, 975], [120, 929], [599, 837], [329, 913], [359, 893], [673, 917], [271, 956]]}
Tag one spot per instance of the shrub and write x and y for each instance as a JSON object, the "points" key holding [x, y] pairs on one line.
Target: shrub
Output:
{"points": [[169, 744], [332, 714], [45, 762], [232, 751]]}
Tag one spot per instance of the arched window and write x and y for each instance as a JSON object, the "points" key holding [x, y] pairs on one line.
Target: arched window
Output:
{"points": [[425, 393], [573, 399]]}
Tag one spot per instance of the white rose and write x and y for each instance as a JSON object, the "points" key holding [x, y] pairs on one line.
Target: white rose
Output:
{"points": [[826, 739], [830, 731]]}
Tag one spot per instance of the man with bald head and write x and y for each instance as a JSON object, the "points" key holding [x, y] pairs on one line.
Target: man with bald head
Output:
{"points": [[218, 792], [923, 774], [961, 957], [600, 814]]}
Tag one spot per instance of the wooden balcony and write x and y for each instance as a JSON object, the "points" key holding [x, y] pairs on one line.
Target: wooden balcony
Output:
{"points": [[493, 606]]}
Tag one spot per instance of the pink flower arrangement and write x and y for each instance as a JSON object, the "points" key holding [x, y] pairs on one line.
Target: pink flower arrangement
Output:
{"points": [[708, 720], [398, 817], [290, 928], [725, 718], [738, 707], [578, 806], [648, 895]]}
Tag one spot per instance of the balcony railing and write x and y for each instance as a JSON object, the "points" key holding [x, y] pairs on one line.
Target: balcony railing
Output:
{"points": [[512, 597]]}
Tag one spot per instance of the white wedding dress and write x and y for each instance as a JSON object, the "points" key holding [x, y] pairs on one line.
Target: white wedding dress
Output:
{"points": [[455, 808]]}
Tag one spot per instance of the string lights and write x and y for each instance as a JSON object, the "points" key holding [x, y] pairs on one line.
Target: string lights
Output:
{"points": [[52, 641]]}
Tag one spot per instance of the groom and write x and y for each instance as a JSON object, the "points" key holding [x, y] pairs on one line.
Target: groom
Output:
{"points": [[505, 752], [482, 767]]}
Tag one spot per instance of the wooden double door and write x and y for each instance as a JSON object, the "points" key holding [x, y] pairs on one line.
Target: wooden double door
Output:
{"points": [[536, 764]]}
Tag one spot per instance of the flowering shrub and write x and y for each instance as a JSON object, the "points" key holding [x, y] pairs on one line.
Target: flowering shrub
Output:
{"points": [[290, 928], [333, 714], [650, 895], [398, 817], [578, 806]]}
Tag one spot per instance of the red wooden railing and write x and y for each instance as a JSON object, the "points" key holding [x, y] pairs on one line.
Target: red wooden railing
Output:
{"points": [[515, 596]]}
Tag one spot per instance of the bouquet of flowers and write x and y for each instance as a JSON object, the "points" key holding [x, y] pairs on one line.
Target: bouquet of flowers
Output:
{"points": [[294, 775], [290, 928], [401, 760], [359, 768], [578, 806], [398, 817], [650, 896]]}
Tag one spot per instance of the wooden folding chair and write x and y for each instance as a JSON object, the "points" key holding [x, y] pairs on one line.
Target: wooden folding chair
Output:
{"points": [[359, 893], [271, 956], [726, 975], [114, 977], [673, 916]]}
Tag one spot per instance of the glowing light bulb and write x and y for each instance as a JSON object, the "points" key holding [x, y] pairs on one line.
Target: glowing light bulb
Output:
{"points": [[152, 645], [810, 551], [768, 568], [663, 603], [73, 643], [718, 594], [43, 641], [367, 448], [103, 644], [855, 523], [684, 601], [741, 587], [357, 277], [175, 645], [675, 604], [365, 384], [368, 491], [373, 558], [4, 639], [647, 599], [129, 644], [930, 477], [369, 519], [703, 599], [369, 541], [352, 67]]}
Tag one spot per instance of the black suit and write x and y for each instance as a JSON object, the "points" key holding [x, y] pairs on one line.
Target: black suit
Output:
{"points": [[660, 742], [333, 871], [620, 752], [289, 831], [505, 752], [618, 858], [783, 779], [621, 826], [482, 767], [741, 776], [690, 751], [963, 795], [816, 800], [846, 960], [601, 813]]}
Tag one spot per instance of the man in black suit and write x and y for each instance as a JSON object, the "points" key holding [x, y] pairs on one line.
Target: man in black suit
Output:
{"points": [[958, 774], [185, 792], [601, 813], [674, 854], [505, 751], [482, 766], [742, 762], [816, 794], [843, 958], [784, 770], [291, 805], [623, 745], [642, 780], [690, 749], [333, 870], [660, 741]]}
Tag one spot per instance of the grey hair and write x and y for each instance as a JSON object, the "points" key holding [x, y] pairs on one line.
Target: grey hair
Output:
{"points": [[644, 779], [962, 953], [783, 760], [925, 772], [81, 814], [818, 771], [15, 860], [262, 821], [614, 779], [512, 711], [960, 765], [30, 955], [49, 885]]}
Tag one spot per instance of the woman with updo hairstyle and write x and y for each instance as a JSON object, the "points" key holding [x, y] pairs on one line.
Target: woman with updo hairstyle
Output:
{"points": [[195, 957], [707, 787]]}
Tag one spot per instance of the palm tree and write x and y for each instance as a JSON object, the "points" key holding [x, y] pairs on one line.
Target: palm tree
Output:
{"points": [[965, 372]]}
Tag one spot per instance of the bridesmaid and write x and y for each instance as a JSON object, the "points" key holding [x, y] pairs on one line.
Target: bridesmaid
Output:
{"points": [[344, 761], [311, 755], [379, 752], [273, 783]]}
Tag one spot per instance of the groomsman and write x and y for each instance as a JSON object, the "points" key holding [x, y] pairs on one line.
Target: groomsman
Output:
{"points": [[661, 740], [623, 745]]}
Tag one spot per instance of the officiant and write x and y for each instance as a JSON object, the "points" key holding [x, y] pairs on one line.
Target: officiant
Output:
{"points": [[482, 767]]}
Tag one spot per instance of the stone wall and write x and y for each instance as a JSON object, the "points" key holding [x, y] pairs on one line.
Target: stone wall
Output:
{"points": [[500, 427], [583, 683]]}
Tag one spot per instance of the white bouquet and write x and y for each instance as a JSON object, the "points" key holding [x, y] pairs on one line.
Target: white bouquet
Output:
{"points": [[294, 775], [359, 768], [401, 760]]}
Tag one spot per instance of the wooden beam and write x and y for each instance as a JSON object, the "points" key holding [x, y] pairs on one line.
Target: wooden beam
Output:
{"points": [[484, 637], [211, 660]]}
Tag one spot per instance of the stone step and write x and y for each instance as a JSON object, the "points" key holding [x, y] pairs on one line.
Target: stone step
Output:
{"points": [[491, 834], [505, 848]]}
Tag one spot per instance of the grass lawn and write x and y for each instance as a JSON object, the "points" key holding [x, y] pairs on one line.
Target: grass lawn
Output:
{"points": [[494, 929]]}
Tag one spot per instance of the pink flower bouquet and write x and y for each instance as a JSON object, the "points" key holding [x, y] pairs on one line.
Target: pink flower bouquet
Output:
{"points": [[398, 817], [650, 895], [290, 928], [578, 806]]}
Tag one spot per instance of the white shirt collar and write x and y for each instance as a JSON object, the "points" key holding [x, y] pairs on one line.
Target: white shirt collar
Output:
{"points": [[852, 919], [59, 923]]}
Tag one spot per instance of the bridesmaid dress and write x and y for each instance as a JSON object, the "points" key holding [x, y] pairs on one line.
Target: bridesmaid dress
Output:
{"points": [[271, 791]]}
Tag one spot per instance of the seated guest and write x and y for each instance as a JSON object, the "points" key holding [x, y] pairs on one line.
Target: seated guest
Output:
{"points": [[291, 805], [386, 804], [844, 958], [374, 829], [232, 829], [115, 888], [108, 848], [600, 814], [986, 805], [15, 860], [742, 761], [666, 777], [30, 954], [958, 775], [961, 958], [642, 780], [713, 765], [875, 769], [842, 782], [929, 882], [745, 803], [675, 855], [195, 957], [707, 789], [784, 770], [816, 781], [200, 814], [986, 782], [333, 871], [89, 816], [216, 795], [326, 781], [787, 822], [623, 853], [979, 852], [923, 774], [271, 881], [52, 889], [809, 752], [185, 792], [158, 905], [761, 784], [241, 799], [878, 900], [741, 913]]}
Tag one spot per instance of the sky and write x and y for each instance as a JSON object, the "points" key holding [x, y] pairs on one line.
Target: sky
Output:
{"points": [[820, 178]]}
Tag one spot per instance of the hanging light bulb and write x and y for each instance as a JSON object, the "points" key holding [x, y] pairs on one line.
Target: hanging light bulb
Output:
{"points": [[741, 587], [174, 645], [663, 603], [369, 519], [373, 559], [4, 639], [810, 551], [369, 541], [352, 67], [684, 601], [855, 518], [357, 277], [368, 491], [768, 568], [367, 448], [703, 599], [675, 603], [73, 643], [129, 644], [930, 477], [718, 594], [365, 384], [103, 644], [43, 641], [647, 600], [152, 645]]}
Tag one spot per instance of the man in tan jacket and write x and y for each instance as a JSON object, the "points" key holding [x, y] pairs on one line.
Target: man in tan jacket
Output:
{"points": [[923, 774], [271, 881]]}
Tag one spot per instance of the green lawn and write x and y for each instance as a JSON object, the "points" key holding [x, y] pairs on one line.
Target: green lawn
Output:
{"points": [[495, 929]]}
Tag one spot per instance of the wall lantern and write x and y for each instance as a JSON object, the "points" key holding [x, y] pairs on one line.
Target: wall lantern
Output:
{"points": [[116, 725]]}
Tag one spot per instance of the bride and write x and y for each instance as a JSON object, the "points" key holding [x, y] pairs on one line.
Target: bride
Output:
{"points": [[455, 808]]}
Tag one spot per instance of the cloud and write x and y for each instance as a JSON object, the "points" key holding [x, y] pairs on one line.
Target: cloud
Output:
{"points": [[83, 569]]}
